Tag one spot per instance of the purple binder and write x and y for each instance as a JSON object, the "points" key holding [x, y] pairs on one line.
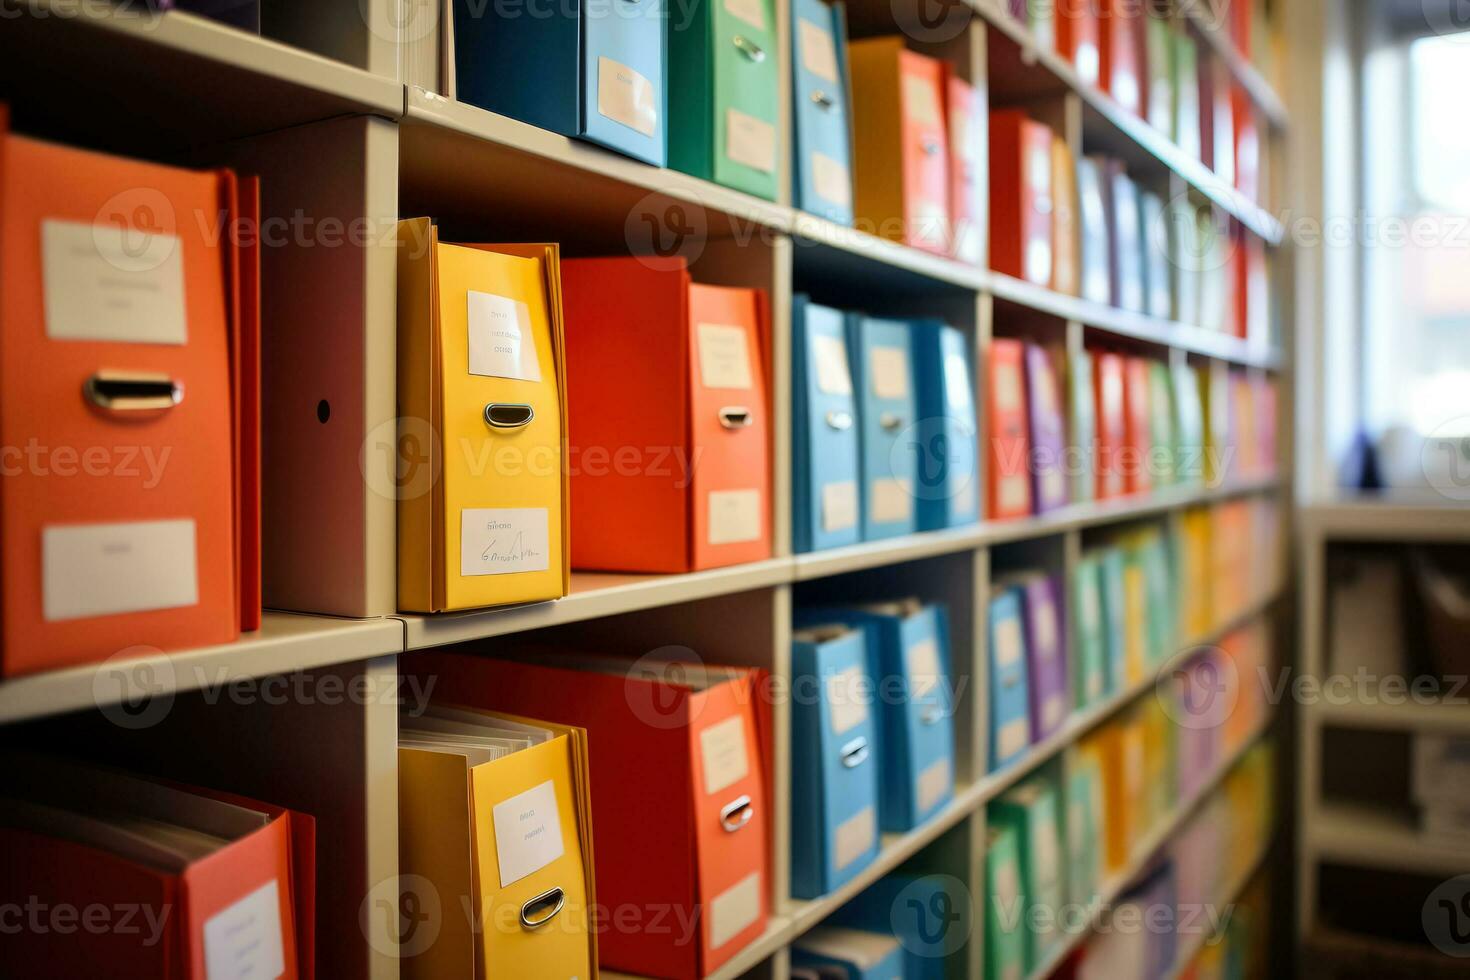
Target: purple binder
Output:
{"points": [[1046, 654], [1200, 711], [1048, 431]]}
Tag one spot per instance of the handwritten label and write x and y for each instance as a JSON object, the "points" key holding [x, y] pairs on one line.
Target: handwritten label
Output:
{"points": [[501, 343], [724, 357], [502, 540], [109, 283], [626, 97], [527, 833], [243, 942]]}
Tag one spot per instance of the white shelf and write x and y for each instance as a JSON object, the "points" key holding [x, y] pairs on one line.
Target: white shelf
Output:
{"points": [[1378, 837], [1392, 516]]}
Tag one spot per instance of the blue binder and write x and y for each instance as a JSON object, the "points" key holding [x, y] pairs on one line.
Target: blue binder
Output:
{"points": [[854, 954], [1010, 727], [881, 352], [822, 144], [595, 75], [826, 506], [1115, 609], [932, 916], [945, 442]]}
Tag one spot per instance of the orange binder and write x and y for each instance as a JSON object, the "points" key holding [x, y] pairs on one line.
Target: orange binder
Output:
{"points": [[129, 366], [1077, 37], [1120, 40], [1137, 427], [965, 113], [668, 418], [1021, 206], [1010, 442], [1112, 436], [1066, 266]]}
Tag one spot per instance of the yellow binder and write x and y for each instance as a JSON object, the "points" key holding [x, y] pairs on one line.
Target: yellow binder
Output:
{"points": [[481, 483]]}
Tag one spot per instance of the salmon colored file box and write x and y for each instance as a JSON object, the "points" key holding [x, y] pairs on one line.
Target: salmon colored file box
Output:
{"points": [[670, 421], [129, 355], [1010, 443], [1137, 427], [965, 113]]}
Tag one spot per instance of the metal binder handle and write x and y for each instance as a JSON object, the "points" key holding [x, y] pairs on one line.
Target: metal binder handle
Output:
{"points": [[555, 898], [890, 422], [855, 753], [736, 417], [132, 391], [504, 416], [931, 146], [750, 49], [841, 421], [823, 99], [932, 715], [736, 814]]}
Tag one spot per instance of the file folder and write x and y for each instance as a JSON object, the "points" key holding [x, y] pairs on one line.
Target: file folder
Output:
{"points": [[1090, 680], [1077, 38], [1005, 922], [1097, 249], [1083, 794], [1158, 298], [826, 512], [856, 954], [1048, 436], [835, 760], [947, 447], [1163, 437], [1186, 258], [1158, 575], [1189, 425], [1159, 57], [1120, 40], [900, 143], [1196, 605], [1124, 768], [965, 112], [922, 911], [1021, 208], [1115, 617], [700, 736], [823, 136], [1010, 698], [1135, 618], [1186, 95], [1247, 145], [1046, 656], [212, 884], [723, 99], [908, 646], [1032, 810], [1221, 442], [1137, 458], [1081, 427], [1219, 122], [1066, 267], [1010, 443], [882, 358], [584, 72], [1128, 244], [129, 336], [495, 813], [481, 383], [1112, 435], [669, 418]]}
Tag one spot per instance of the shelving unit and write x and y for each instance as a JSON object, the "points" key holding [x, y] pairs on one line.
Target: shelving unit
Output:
{"points": [[336, 135]]}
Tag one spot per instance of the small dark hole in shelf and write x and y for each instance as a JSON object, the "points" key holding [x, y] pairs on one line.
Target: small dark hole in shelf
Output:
{"points": [[323, 411]]}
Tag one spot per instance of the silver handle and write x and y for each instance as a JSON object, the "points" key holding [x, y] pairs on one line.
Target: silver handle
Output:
{"points": [[736, 814], [841, 421], [504, 416], [736, 417], [930, 147], [932, 715], [554, 897], [823, 99], [890, 422], [750, 49], [127, 392], [855, 753]]}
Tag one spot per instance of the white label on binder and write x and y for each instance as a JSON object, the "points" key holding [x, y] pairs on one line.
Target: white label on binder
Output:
{"points": [[818, 53], [921, 101], [501, 344], [839, 505], [893, 500], [734, 516], [1046, 628], [1008, 389], [1013, 737], [1007, 885], [1052, 711], [104, 569], [847, 696], [831, 180], [1008, 642], [1014, 492], [933, 783], [626, 97], [957, 384], [724, 357], [753, 12], [1047, 868], [1051, 484], [722, 747], [243, 941], [922, 662], [830, 355], [889, 367], [102, 282], [527, 832], [501, 540], [855, 836], [750, 141], [734, 909]]}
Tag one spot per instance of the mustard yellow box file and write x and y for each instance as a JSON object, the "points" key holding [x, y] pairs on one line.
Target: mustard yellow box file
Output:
{"points": [[481, 483], [495, 844]]}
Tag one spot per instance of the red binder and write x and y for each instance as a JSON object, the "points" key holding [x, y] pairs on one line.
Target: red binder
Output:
{"points": [[1009, 480], [1138, 436], [1120, 40], [1077, 37], [1107, 386], [1021, 197]]}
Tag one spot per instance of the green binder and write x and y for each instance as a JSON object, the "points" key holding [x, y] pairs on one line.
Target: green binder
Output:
{"points": [[1160, 57], [1031, 810], [1189, 427], [1081, 427], [1151, 553], [1186, 94], [1090, 680], [1005, 912], [1114, 609], [1084, 828], [1161, 424]]}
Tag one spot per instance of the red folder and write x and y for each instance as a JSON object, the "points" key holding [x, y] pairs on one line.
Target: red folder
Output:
{"points": [[1138, 436], [1021, 206], [1077, 37], [925, 155], [1247, 144], [1010, 443], [689, 834], [669, 421], [1120, 41], [965, 113], [1107, 386]]}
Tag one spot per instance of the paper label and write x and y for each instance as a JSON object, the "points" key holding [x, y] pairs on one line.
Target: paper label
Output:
{"points": [[831, 180], [1053, 710], [749, 141], [818, 53], [957, 383], [527, 833], [1046, 628], [1007, 885], [734, 516], [104, 569], [959, 135], [922, 663], [1045, 849], [722, 747], [753, 12], [892, 501], [501, 344], [932, 785], [1008, 644], [626, 97], [734, 909], [839, 505], [920, 101], [502, 540], [243, 942], [829, 353], [109, 283], [724, 357], [846, 691], [1014, 493], [1012, 738], [855, 837], [889, 367], [1052, 485], [1008, 389]]}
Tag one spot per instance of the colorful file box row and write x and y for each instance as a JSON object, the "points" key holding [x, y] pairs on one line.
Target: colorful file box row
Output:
{"points": [[1124, 597], [874, 733], [884, 437], [1229, 557], [853, 954], [925, 912], [1029, 699], [124, 323]]}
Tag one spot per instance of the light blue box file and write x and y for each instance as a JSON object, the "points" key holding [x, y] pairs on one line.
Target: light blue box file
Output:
{"points": [[826, 506], [594, 73], [1010, 722], [945, 442], [823, 143], [933, 917], [881, 354], [834, 766], [856, 953], [909, 641]]}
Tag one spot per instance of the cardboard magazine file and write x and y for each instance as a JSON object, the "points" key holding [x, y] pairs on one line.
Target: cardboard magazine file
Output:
{"points": [[222, 885], [125, 322], [483, 521], [495, 811], [692, 832]]}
